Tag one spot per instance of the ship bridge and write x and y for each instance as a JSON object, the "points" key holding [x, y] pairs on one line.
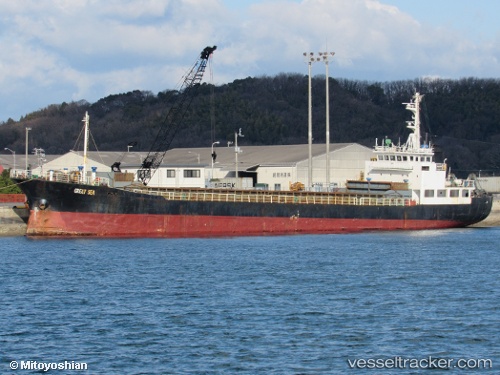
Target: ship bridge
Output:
{"points": [[413, 163]]}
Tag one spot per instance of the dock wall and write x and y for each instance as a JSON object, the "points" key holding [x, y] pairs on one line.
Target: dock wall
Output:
{"points": [[13, 220]]}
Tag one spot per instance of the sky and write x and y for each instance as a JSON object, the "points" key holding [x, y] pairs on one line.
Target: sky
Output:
{"points": [[55, 51]]}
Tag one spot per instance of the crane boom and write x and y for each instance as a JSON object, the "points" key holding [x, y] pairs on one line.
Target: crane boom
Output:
{"points": [[174, 117]]}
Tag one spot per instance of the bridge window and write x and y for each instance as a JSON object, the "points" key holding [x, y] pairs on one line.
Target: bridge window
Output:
{"points": [[429, 194], [454, 193], [442, 193], [425, 167], [465, 193], [170, 173]]}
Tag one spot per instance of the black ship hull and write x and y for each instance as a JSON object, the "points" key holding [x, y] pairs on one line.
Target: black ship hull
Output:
{"points": [[67, 209]]}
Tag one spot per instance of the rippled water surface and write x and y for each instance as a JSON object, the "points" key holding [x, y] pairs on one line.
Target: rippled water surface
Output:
{"points": [[253, 305]]}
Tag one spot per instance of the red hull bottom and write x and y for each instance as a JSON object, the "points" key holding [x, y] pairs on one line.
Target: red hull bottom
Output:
{"points": [[119, 225]]}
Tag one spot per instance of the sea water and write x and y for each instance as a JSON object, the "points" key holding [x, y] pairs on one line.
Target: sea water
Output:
{"points": [[371, 303]]}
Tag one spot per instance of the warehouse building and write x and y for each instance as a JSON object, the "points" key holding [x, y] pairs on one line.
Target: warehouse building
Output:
{"points": [[266, 167]]}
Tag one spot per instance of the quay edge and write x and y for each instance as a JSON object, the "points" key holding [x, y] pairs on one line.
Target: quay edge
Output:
{"points": [[13, 220]]}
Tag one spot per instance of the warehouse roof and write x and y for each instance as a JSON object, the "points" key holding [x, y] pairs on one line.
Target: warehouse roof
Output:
{"points": [[249, 157]]}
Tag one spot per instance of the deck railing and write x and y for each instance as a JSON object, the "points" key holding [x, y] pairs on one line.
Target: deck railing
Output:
{"points": [[276, 197], [58, 176]]}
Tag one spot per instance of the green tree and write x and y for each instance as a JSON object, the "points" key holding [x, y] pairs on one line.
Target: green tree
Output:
{"points": [[7, 186]]}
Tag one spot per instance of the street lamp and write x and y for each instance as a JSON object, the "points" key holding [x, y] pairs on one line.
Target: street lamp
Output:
{"points": [[131, 144], [214, 156], [14, 155], [26, 143]]}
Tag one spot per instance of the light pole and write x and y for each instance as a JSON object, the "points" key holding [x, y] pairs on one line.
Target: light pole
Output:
{"points": [[310, 58], [214, 155], [326, 58], [236, 152], [14, 155], [26, 143]]}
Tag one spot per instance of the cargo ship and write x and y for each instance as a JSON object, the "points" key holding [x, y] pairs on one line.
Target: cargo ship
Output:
{"points": [[404, 189]]}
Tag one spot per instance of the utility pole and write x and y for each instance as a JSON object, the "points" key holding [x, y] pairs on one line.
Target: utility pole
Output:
{"points": [[236, 152], [86, 121], [26, 143], [40, 155], [214, 155]]}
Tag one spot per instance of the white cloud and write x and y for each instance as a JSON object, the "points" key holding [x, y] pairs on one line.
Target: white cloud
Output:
{"points": [[61, 50]]}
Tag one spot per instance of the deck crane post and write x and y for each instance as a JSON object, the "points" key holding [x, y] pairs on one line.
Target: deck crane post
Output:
{"points": [[174, 117]]}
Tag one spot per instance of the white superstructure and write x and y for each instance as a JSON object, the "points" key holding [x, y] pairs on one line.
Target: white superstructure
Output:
{"points": [[413, 163]]}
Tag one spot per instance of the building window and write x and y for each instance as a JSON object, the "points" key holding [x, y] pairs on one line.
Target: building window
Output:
{"points": [[429, 194], [281, 174], [170, 173], [192, 173]]}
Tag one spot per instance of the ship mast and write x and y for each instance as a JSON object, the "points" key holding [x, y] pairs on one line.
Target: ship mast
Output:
{"points": [[413, 142], [85, 120]]}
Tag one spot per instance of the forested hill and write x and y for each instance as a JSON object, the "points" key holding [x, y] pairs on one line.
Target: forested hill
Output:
{"points": [[461, 117]]}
